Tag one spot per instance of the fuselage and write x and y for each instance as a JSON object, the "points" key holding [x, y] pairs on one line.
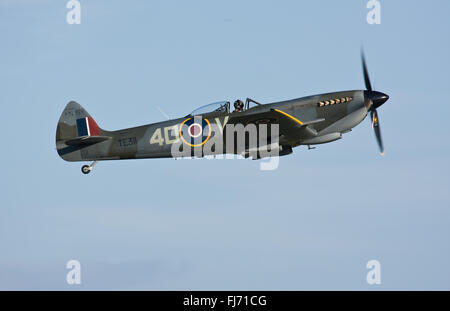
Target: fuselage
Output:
{"points": [[331, 114]]}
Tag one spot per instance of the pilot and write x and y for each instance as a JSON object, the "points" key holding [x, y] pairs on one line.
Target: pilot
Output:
{"points": [[238, 105]]}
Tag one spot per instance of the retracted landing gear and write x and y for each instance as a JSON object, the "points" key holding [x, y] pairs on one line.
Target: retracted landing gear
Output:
{"points": [[86, 169]]}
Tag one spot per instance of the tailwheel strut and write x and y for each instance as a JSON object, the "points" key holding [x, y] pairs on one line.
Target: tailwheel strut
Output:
{"points": [[86, 169]]}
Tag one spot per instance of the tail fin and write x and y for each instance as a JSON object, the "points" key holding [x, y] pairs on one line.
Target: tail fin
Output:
{"points": [[76, 130], [76, 122]]}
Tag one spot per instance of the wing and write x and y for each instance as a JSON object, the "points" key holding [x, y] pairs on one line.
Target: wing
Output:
{"points": [[292, 129]]}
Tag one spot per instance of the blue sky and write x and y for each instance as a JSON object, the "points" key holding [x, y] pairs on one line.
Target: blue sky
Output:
{"points": [[201, 224]]}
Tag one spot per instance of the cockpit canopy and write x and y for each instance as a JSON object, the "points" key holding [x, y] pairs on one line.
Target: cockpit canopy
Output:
{"points": [[222, 106]]}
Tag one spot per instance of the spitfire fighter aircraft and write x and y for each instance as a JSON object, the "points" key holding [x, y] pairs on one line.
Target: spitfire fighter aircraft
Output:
{"points": [[310, 120]]}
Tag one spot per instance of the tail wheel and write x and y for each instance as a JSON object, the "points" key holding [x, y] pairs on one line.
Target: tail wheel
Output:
{"points": [[85, 169]]}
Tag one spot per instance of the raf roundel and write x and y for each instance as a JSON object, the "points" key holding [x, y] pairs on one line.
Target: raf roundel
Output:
{"points": [[195, 131]]}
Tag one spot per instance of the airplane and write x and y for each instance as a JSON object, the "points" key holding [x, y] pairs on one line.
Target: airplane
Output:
{"points": [[311, 120]]}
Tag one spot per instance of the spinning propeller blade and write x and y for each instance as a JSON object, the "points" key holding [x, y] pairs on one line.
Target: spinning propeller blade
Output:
{"points": [[376, 100], [376, 128]]}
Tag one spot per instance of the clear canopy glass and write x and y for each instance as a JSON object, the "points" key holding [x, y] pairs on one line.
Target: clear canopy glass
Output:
{"points": [[222, 106]]}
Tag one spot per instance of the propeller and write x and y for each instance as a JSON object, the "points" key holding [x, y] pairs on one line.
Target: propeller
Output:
{"points": [[375, 99], [376, 128], [366, 72]]}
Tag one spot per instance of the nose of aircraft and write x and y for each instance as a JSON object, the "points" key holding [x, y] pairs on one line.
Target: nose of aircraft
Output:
{"points": [[377, 98]]}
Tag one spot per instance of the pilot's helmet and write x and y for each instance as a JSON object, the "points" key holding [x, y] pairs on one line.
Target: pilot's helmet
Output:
{"points": [[238, 104]]}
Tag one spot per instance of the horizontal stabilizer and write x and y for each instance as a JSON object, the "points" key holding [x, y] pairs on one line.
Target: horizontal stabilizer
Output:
{"points": [[86, 140]]}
